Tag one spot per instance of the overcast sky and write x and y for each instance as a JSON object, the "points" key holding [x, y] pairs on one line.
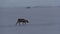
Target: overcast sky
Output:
{"points": [[21, 3]]}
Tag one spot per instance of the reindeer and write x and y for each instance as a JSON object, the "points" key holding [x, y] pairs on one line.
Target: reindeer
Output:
{"points": [[23, 21]]}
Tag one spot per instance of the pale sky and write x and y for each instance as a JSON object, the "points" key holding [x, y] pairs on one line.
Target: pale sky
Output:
{"points": [[22, 3]]}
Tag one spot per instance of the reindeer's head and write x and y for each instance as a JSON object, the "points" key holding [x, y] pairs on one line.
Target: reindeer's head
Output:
{"points": [[27, 21]]}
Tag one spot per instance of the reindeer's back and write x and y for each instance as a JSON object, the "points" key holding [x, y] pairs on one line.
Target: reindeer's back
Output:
{"points": [[19, 20]]}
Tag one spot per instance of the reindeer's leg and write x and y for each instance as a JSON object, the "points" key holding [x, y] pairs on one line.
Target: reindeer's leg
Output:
{"points": [[25, 22], [19, 23], [22, 22], [16, 23]]}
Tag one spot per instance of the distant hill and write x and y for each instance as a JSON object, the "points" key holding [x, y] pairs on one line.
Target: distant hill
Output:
{"points": [[44, 6]]}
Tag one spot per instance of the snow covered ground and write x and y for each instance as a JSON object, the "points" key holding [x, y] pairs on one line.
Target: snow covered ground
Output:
{"points": [[41, 20]]}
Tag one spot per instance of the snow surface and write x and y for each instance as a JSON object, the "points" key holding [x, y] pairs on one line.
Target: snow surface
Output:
{"points": [[41, 20]]}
